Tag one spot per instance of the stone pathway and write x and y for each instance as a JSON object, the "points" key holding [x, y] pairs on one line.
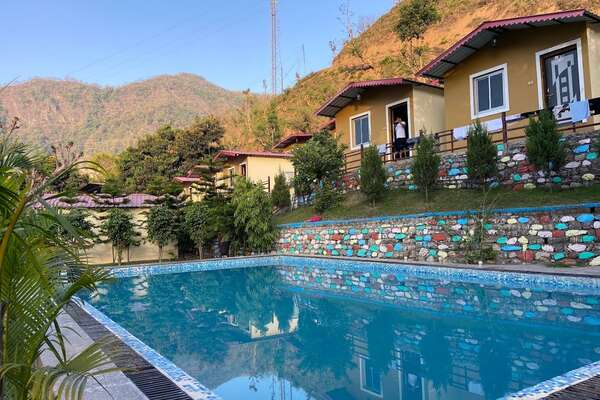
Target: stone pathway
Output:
{"points": [[116, 383]]}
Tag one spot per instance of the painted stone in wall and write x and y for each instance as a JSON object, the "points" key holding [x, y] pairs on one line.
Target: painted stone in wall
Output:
{"points": [[514, 170], [554, 235]]}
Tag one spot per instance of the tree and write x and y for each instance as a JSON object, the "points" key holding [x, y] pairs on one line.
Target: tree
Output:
{"points": [[253, 218], [281, 192], [162, 227], [119, 229], [196, 223], [545, 149], [426, 166], [372, 175], [414, 17], [40, 272], [268, 128], [482, 156], [198, 140], [318, 161]]}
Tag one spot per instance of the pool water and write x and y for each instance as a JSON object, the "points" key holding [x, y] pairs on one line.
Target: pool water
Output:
{"points": [[307, 333]]}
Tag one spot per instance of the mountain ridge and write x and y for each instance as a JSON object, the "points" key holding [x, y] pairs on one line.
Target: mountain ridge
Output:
{"points": [[101, 118]]}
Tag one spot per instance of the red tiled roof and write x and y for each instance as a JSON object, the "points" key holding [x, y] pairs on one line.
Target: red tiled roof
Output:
{"points": [[186, 179], [348, 94], [298, 137], [136, 200], [249, 153], [488, 30]]}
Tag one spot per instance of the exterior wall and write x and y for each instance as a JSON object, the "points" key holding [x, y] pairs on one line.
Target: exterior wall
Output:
{"points": [[428, 110], [101, 253], [425, 109], [517, 49], [514, 170], [553, 235], [262, 169]]}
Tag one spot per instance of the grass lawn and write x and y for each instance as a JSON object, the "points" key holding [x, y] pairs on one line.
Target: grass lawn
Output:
{"points": [[354, 205]]}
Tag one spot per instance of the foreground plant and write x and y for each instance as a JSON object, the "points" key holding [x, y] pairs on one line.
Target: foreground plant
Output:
{"points": [[40, 272]]}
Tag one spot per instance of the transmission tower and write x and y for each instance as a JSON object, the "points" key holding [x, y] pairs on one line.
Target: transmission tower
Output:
{"points": [[274, 47]]}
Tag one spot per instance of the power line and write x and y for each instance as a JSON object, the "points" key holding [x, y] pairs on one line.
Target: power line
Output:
{"points": [[274, 47]]}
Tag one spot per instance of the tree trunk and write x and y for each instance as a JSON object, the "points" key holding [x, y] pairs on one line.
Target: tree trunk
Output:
{"points": [[160, 254]]}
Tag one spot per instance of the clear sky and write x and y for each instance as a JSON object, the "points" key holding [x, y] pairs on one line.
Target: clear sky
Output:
{"points": [[111, 42]]}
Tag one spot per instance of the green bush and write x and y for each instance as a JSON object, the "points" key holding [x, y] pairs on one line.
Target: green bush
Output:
{"points": [[119, 229], [318, 161], [372, 175], [414, 17], [162, 227], [326, 198], [195, 222], [281, 193], [253, 218], [482, 155], [426, 166], [544, 147]]}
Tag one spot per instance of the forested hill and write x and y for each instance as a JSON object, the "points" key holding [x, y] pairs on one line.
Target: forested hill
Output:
{"points": [[109, 119], [379, 53]]}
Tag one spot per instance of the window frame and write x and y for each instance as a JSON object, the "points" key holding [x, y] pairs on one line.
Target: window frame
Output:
{"points": [[503, 68], [353, 145], [362, 367]]}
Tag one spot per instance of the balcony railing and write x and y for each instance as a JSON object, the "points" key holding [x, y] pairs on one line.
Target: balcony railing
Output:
{"points": [[229, 181], [512, 129]]}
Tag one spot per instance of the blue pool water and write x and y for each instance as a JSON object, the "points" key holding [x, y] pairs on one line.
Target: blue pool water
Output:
{"points": [[301, 333]]}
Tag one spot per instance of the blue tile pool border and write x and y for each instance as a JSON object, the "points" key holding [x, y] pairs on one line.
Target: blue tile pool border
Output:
{"points": [[189, 385], [390, 218], [509, 278], [579, 284]]}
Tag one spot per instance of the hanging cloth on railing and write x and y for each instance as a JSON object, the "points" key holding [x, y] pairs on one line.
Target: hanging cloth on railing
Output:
{"points": [[382, 149], [460, 133], [580, 111], [493, 125]]}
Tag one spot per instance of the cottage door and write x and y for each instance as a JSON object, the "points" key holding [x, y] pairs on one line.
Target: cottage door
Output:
{"points": [[561, 77]]}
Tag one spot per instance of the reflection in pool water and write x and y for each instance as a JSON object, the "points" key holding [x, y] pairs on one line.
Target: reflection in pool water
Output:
{"points": [[266, 333]]}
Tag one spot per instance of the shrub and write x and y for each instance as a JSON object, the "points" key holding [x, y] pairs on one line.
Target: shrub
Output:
{"points": [[482, 155], [281, 192], [426, 166], [162, 227], [253, 217], [544, 147], [326, 197], [319, 160], [372, 175], [195, 222], [414, 17], [119, 229]]}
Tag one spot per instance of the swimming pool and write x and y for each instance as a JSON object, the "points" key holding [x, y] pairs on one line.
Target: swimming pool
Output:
{"points": [[303, 328]]}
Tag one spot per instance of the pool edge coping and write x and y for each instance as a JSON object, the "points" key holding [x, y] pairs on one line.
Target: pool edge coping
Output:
{"points": [[189, 385], [535, 392]]}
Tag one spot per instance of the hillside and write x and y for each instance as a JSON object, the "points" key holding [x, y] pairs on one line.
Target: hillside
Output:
{"points": [[378, 53], [110, 118]]}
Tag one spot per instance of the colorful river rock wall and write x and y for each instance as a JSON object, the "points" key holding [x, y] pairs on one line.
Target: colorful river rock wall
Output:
{"points": [[551, 235], [514, 170]]}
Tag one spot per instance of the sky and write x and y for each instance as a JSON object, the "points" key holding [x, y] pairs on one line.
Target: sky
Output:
{"points": [[114, 42]]}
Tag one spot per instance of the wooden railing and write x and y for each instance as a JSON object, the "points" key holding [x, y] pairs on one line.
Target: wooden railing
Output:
{"points": [[230, 179], [511, 130]]}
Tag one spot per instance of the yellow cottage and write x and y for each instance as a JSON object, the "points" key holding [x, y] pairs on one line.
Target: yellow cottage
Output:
{"points": [[365, 112], [257, 166], [508, 68]]}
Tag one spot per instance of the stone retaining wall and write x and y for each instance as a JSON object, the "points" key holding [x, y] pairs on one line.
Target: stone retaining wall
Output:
{"points": [[559, 235], [514, 170]]}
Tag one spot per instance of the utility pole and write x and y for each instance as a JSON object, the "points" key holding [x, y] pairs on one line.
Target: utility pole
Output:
{"points": [[274, 47]]}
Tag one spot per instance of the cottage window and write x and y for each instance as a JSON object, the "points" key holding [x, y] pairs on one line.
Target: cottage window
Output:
{"points": [[362, 130], [489, 92], [370, 378]]}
